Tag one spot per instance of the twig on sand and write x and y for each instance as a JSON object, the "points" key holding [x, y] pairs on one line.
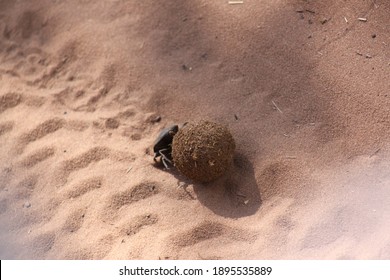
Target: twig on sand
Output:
{"points": [[235, 2], [374, 153], [276, 106], [362, 19], [129, 169], [291, 157]]}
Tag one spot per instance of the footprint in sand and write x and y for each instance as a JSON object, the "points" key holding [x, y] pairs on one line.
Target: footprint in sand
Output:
{"points": [[37, 157], [91, 104], [137, 223], [96, 251], [18, 60], [134, 194], [29, 64], [208, 230], [93, 155], [40, 131], [47, 127], [6, 127], [75, 220], [199, 233], [85, 186], [42, 244], [9, 100], [204, 231], [25, 187], [82, 161]]}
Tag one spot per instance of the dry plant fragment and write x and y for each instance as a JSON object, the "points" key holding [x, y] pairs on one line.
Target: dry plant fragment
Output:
{"points": [[235, 2], [276, 107]]}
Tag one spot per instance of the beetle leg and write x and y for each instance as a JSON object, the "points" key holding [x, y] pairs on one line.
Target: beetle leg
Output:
{"points": [[164, 158], [165, 164]]}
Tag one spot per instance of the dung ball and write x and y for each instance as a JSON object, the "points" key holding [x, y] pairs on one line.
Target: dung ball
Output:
{"points": [[203, 151]]}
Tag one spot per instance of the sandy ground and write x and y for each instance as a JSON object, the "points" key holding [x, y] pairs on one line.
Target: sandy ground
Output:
{"points": [[303, 86]]}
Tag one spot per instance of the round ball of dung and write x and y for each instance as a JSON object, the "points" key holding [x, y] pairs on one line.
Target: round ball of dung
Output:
{"points": [[203, 151]]}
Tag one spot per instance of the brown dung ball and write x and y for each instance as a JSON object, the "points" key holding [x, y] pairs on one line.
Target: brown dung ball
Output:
{"points": [[203, 151]]}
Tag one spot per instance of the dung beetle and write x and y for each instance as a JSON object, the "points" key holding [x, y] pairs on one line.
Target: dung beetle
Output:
{"points": [[163, 145]]}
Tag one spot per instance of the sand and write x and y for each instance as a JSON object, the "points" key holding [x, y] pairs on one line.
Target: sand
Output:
{"points": [[302, 85]]}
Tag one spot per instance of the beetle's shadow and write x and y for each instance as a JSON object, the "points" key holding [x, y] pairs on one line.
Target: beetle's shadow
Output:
{"points": [[234, 195]]}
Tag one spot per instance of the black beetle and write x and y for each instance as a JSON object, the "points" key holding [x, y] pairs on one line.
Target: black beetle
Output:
{"points": [[163, 145]]}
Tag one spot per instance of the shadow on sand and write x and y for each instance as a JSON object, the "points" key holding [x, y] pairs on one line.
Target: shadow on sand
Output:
{"points": [[236, 194]]}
